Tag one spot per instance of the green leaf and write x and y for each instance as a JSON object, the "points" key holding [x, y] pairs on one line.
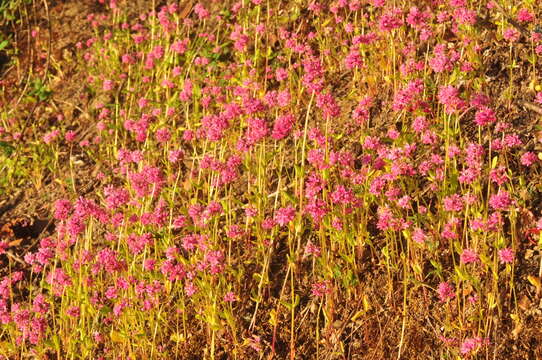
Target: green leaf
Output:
{"points": [[296, 300], [494, 162], [417, 269], [457, 247], [106, 310], [6, 148], [436, 265], [286, 304], [3, 44], [117, 336], [337, 274], [290, 197], [462, 276], [385, 252]]}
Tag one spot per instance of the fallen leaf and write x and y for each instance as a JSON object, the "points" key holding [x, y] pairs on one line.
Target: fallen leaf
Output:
{"points": [[524, 303], [15, 243], [535, 281]]}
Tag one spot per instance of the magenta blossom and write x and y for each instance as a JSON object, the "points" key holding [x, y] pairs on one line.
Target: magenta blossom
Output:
{"points": [[321, 288], [469, 256], [485, 116], [471, 345], [284, 215], [500, 201], [445, 291], [506, 256], [511, 34]]}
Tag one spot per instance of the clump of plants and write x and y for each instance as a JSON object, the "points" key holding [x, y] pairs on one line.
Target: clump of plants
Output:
{"points": [[290, 179]]}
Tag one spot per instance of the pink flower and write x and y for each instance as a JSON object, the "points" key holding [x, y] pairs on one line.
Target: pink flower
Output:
{"points": [[63, 208], [4, 245], [108, 85], [500, 201], [326, 102], [254, 343], [268, 223], [188, 135], [235, 232], [321, 288], [419, 236], [70, 135], [484, 117], [528, 158], [314, 73], [73, 311], [511, 34], [111, 292], [449, 96], [201, 11], [119, 307], [149, 264], [50, 136], [162, 135], [337, 223], [417, 18], [469, 256], [40, 304], [190, 289], [282, 127], [353, 59], [362, 111], [317, 209], [404, 202], [472, 344], [525, 16], [390, 19], [180, 46], [538, 98], [453, 203], [149, 181], [283, 98], [281, 74], [506, 256], [175, 155], [251, 211], [142, 102], [465, 16], [407, 95], [284, 215], [393, 134], [445, 291], [457, 3], [419, 124], [115, 197], [128, 59], [443, 60], [480, 100], [311, 249], [342, 195], [498, 175], [230, 297]]}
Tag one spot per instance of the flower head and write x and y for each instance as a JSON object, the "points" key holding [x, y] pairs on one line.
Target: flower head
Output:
{"points": [[506, 256], [469, 256], [445, 291], [500, 201], [284, 215], [511, 34]]}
